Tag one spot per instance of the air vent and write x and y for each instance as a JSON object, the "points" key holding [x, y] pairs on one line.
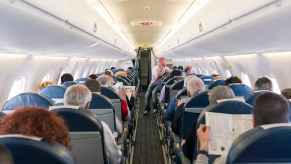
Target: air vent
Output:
{"points": [[146, 23]]}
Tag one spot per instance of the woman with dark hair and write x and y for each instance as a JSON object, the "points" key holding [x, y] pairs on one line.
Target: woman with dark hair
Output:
{"points": [[36, 122]]}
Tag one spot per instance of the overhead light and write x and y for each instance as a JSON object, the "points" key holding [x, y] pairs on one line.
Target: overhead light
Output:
{"points": [[194, 7]]}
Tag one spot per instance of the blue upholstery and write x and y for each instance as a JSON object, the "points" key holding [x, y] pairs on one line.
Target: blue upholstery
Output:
{"points": [[26, 150], [259, 145], [201, 100], [216, 83], [241, 90], [81, 80], [53, 92], [100, 102], [68, 84], [110, 93], [207, 79], [252, 98], [27, 100]]}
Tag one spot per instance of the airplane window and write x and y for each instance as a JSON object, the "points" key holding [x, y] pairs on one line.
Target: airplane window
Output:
{"points": [[17, 87], [227, 74], [46, 78], [246, 80], [276, 87]]}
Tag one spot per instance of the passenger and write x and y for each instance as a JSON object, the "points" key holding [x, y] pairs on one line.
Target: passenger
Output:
{"points": [[233, 80], [106, 81], [263, 83], [120, 74], [93, 85], [181, 68], [36, 122], [160, 69], [108, 72], [286, 93], [80, 95], [45, 84], [270, 108], [188, 70], [67, 77], [5, 156], [93, 76]]}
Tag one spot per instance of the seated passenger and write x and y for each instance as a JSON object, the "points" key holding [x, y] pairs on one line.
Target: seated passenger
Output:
{"points": [[80, 95], [263, 83], [286, 93], [93, 76], [270, 108], [106, 80], [108, 72], [188, 70], [93, 85], [67, 77], [36, 122], [233, 80]]}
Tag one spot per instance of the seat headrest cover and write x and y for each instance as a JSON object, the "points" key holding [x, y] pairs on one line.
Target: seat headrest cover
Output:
{"points": [[27, 100], [201, 100], [259, 145], [100, 102], [252, 98], [53, 92], [29, 150], [241, 90], [79, 120]]}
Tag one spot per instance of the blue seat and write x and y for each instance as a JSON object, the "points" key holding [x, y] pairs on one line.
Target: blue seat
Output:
{"points": [[26, 100], [104, 110], [53, 92], [262, 145], [81, 80], [31, 150], [252, 98], [68, 84], [241, 90], [207, 79], [216, 83], [109, 93], [86, 134]]}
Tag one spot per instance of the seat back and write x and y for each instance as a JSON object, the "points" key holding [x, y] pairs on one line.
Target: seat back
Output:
{"points": [[54, 93], [207, 79], [216, 83], [266, 144], [104, 110], [68, 84], [81, 80], [86, 134], [115, 100], [26, 100], [192, 111], [174, 88], [252, 98], [241, 90], [25, 149]]}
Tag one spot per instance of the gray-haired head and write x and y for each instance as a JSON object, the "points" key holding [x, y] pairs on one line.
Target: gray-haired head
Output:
{"points": [[263, 83], [219, 93], [194, 85], [105, 80], [78, 95]]}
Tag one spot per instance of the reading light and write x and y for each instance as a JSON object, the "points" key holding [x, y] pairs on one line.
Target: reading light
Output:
{"points": [[194, 7]]}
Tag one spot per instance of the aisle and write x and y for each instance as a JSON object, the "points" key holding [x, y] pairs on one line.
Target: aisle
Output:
{"points": [[148, 149]]}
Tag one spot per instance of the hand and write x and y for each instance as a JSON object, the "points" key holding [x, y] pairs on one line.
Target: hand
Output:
{"points": [[203, 137]]}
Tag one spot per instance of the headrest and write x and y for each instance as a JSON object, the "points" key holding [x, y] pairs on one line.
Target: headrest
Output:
{"points": [[68, 84], [79, 120], [227, 107], [26, 100], [207, 79], [100, 102], [177, 85], [30, 150], [241, 90], [81, 80], [110, 93], [53, 92], [182, 92], [251, 99], [262, 145], [201, 100], [216, 83]]}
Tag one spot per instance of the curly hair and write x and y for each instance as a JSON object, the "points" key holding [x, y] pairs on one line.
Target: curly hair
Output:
{"points": [[37, 122]]}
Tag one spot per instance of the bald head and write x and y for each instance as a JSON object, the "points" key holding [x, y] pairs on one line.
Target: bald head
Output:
{"points": [[270, 108], [78, 95]]}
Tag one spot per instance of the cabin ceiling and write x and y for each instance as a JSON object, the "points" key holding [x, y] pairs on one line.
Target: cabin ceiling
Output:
{"points": [[144, 22]]}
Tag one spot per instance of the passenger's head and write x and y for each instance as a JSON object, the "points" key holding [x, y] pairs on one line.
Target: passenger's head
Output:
{"points": [[162, 61], [263, 83], [180, 67], [233, 80], [105, 80], [108, 72], [93, 76], [93, 85], [78, 95], [67, 77], [36, 122], [176, 72], [219, 93], [5, 155], [188, 70], [286, 93], [120, 74], [194, 85], [270, 108]]}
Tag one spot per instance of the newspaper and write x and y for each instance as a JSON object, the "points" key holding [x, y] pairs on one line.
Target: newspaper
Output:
{"points": [[129, 91], [224, 129]]}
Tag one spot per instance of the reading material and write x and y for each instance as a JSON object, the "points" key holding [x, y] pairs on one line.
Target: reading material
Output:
{"points": [[224, 129]]}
